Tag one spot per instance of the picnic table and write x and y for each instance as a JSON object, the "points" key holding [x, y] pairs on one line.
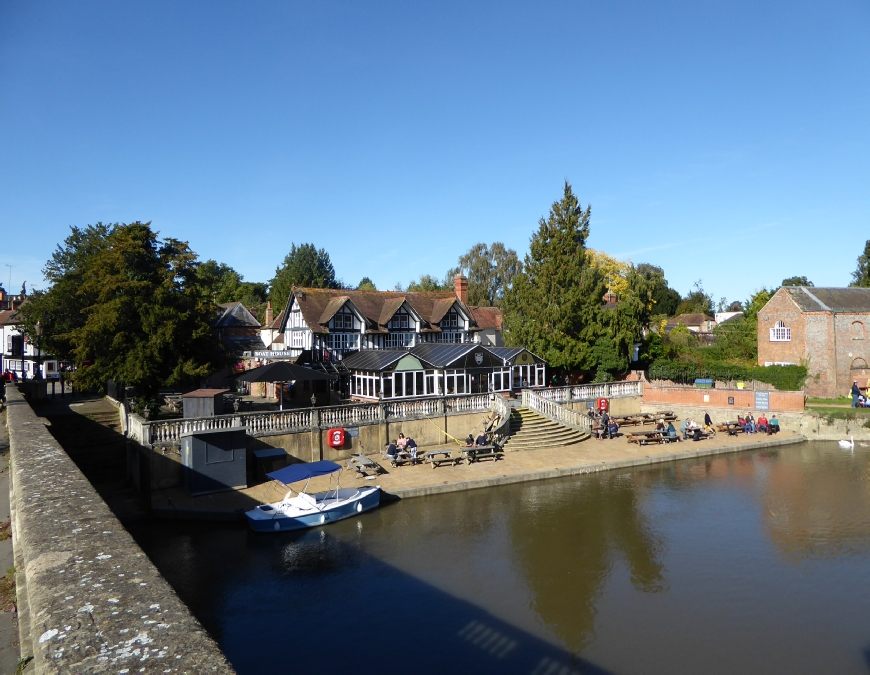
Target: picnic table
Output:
{"points": [[730, 428], [645, 437], [364, 466], [439, 457], [478, 452], [402, 457]]}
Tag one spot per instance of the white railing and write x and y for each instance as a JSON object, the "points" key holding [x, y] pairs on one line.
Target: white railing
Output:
{"points": [[502, 408], [556, 412], [468, 403], [590, 392], [397, 410], [169, 432]]}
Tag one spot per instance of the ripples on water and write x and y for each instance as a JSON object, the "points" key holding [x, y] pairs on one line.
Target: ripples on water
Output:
{"points": [[744, 563]]}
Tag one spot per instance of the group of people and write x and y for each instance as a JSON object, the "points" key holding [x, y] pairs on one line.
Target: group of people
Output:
{"points": [[607, 427], [402, 445], [750, 425], [471, 441]]}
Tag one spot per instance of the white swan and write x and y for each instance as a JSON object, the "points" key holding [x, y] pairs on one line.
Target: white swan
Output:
{"points": [[848, 445]]}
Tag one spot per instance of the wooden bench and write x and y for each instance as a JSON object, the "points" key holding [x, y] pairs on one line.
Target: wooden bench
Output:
{"points": [[477, 453], [644, 437], [439, 457], [364, 466], [730, 428]]}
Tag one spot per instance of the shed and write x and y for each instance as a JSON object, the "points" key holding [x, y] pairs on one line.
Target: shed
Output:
{"points": [[203, 402]]}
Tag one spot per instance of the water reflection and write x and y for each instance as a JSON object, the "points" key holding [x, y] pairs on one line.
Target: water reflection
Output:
{"points": [[657, 570]]}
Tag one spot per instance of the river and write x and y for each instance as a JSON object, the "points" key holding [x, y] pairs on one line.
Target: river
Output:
{"points": [[744, 563]]}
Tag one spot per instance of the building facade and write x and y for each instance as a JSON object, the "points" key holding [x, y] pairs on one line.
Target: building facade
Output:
{"points": [[18, 354], [823, 328]]}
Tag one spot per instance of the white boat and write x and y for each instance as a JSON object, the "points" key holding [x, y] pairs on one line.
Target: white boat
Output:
{"points": [[300, 510]]}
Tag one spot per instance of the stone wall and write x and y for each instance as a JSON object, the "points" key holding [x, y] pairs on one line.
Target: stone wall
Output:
{"points": [[629, 405], [743, 399], [89, 599]]}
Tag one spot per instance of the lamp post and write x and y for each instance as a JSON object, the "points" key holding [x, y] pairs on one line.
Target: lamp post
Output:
{"points": [[39, 350]]}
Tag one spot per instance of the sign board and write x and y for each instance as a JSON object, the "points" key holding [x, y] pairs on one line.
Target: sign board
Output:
{"points": [[730, 400], [762, 400], [353, 432]]}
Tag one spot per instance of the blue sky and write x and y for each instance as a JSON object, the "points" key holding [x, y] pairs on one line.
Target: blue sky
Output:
{"points": [[727, 142]]}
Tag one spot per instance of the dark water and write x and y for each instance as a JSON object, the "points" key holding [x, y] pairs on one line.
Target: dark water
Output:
{"points": [[748, 563]]}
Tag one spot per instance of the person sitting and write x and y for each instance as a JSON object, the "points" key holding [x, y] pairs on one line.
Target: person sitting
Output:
{"points": [[660, 425], [684, 429], [743, 425], [469, 441], [671, 432], [774, 425], [612, 428], [402, 442], [391, 451], [481, 440], [763, 424]]}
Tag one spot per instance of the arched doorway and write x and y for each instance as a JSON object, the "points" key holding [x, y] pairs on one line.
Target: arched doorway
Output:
{"points": [[859, 372]]}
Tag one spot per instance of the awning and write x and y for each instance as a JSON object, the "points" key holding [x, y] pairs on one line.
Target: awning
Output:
{"points": [[297, 472]]}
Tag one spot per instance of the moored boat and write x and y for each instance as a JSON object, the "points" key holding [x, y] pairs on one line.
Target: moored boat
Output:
{"points": [[301, 510]]}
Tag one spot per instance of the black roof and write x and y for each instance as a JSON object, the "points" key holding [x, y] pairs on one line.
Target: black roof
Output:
{"points": [[441, 354], [373, 359], [815, 299], [508, 354]]}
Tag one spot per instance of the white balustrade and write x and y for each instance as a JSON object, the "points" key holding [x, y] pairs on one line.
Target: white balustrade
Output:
{"points": [[555, 411], [589, 392]]}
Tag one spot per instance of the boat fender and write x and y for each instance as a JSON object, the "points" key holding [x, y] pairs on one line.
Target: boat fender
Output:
{"points": [[277, 526], [359, 507], [323, 519]]}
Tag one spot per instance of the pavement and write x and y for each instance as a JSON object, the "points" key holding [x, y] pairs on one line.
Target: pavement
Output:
{"points": [[413, 481], [8, 620]]}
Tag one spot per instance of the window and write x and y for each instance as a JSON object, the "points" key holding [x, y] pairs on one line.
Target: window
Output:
{"points": [[399, 322], [857, 330], [342, 321], [453, 337], [342, 341], [450, 320], [454, 381], [399, 340], [779, 333]]}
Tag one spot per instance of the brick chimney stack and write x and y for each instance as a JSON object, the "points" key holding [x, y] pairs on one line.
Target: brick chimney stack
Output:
{"points": [[269, 314], [460, 286]]}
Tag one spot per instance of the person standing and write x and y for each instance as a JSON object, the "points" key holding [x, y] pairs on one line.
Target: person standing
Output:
{"points": [[856, 392]]}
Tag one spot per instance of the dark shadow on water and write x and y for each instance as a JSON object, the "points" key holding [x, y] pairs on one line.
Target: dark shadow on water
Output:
{"points": [[311, 601]]}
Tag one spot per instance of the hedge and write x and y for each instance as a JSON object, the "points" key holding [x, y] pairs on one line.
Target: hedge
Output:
{"points": [[784, 378]]}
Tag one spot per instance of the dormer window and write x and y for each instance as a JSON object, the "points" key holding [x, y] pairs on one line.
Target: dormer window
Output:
{"points": [[779, 333], [450, 320], [400, 321], [342, 321]]}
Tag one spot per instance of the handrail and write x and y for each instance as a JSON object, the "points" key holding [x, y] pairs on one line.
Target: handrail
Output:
{"points": [[556, 412], [590, 392], [503, 409], [169, 432]]}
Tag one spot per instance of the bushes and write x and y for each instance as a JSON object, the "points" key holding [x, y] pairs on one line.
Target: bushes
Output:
{"points": [[784, 378]]}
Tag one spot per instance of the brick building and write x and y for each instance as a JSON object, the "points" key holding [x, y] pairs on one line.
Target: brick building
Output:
{"points": [[824, 328]]}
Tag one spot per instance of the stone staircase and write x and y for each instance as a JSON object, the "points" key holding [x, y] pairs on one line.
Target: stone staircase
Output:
{"points": [[531, 431]]}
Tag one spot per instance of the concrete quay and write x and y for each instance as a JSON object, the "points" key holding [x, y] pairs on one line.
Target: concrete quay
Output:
{"points": [[408, 481]]}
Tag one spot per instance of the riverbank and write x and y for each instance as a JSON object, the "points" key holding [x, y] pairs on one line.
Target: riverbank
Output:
{"points": [[517, 467]]}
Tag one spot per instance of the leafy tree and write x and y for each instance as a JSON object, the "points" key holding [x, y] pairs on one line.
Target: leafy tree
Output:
{"points": [[756, 301], [861, 275], [554, 305], [615, 272], [490, 271], [736, 341], [625, 323], [698, 301], [366, 284], [143, 317], [222, 284], [608, 359], [796, 281], [304, 266], [665, 299], [427, 282]]}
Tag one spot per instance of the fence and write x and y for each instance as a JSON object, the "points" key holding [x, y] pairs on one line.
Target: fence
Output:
{"points": [[169, 432], [590, 392], [555, 411]]}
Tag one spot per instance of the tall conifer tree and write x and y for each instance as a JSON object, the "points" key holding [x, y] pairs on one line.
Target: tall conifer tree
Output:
{"points": [[554, 305]]}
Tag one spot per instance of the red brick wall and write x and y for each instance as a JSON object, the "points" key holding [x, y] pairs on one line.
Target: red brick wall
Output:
{"points": [[781, 308], [718, 398]]}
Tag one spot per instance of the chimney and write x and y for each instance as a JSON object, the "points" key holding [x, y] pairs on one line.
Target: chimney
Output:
{"points": [[460, 286], [269, 313]]}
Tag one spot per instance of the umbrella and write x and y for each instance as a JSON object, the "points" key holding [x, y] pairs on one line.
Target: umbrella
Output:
{"points": [[282, 371]]}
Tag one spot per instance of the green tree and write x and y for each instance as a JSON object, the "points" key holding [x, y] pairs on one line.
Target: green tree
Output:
{"points": [[304, 266], [427, 283], [490, 271], [366, 284], [698, 301], [553, 307], [665, 299], [222, 284], [144, 319], [861, 275], [796, 281], [756, 301], [625, 323]]}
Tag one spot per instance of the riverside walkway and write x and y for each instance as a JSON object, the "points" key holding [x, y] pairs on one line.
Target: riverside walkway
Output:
{"points": [[415, 481]]}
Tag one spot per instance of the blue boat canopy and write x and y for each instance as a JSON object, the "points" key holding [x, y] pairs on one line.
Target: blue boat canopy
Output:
{"points": [[297, 472]]}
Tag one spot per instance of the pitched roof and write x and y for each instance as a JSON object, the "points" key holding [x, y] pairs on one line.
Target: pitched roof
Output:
{"points": [[10, 317], [276, 322], [318, 305], [829, 299], [689, 319], [235, 314], [373, 359], [487, 317]]}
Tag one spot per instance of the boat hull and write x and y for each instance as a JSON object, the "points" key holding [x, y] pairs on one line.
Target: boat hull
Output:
{"points": [[271, 518]]}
